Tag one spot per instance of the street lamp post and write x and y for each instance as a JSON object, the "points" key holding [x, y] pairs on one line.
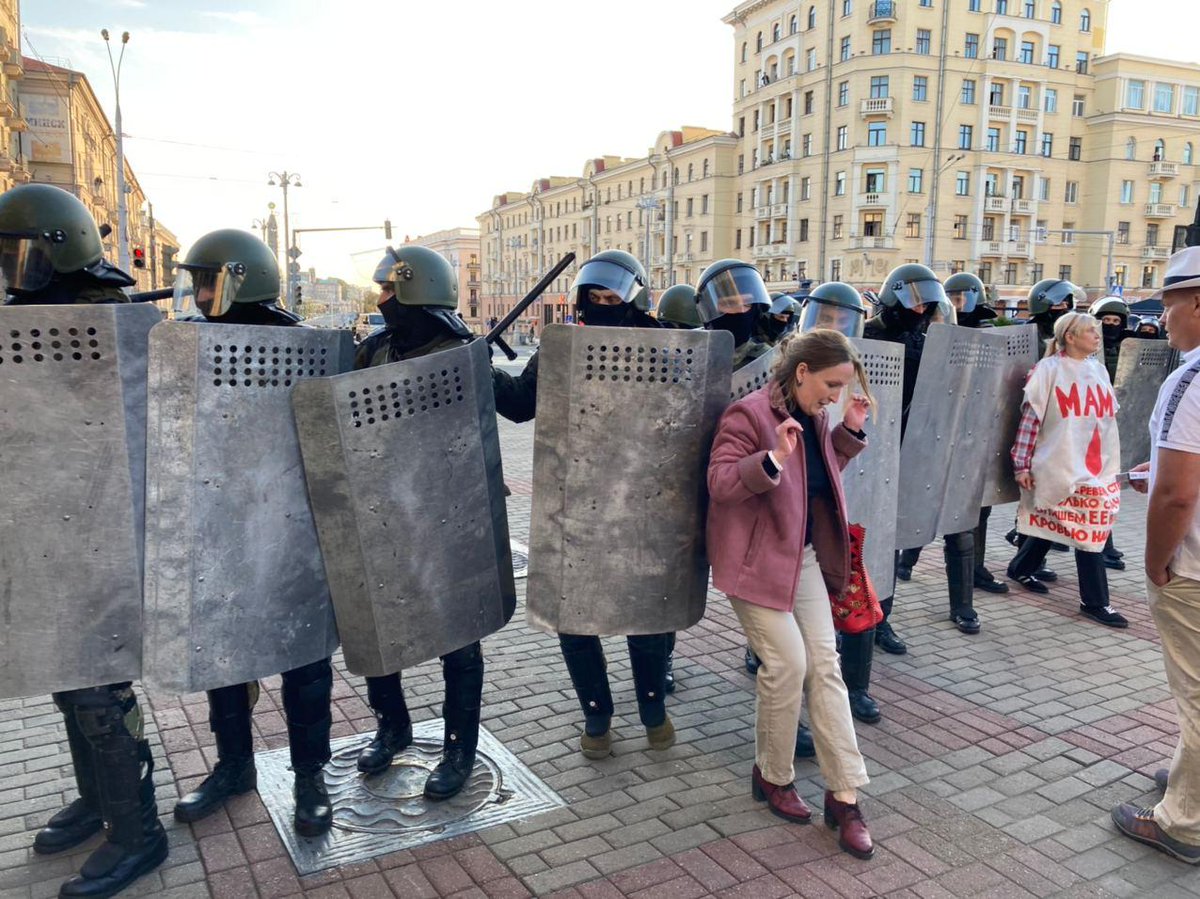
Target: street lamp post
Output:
{"points": [[931, 215], [122, 207], [286, 179]]}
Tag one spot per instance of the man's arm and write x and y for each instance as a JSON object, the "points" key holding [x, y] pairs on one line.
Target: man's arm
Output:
{"points": [[1172, 507]]}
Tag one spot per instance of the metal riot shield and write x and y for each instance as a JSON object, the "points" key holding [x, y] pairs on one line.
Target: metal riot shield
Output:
{"points": [[1022, 354], [403, 470], [1141, 370], [625, 423], [750, 378], [950, 426], [235, 585], [72, 489], [870, 480]]}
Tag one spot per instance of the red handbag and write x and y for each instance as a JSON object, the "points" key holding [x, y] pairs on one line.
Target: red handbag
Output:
{"points": [[858, 609]]}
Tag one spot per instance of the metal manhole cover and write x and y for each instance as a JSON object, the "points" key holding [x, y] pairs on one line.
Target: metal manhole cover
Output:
{"points": [[520, 558], [385, 813]]}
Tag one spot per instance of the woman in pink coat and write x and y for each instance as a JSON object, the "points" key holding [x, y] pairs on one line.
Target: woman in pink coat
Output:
{"points": [[779, 545]]}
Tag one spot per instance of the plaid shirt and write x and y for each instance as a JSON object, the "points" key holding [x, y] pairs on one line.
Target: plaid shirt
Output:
{"points": [[1027, 434]]}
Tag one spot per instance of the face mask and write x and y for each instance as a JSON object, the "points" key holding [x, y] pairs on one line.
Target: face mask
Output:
{"points": [[391, 312], [603, 316], [773, 328], [1112, 333], [740, 325], [1055, 314]]}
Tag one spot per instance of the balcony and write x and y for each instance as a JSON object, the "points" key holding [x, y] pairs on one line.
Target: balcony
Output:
{"points": [[771, 250], [657, 227], [1156, 253], [872, 199], [995, 204], [876, 106], [1160, 171], [1020, 248], [871, 243], [762, 213], [1027, 115], [991, 248], [1024, 207], [999, 112], [783, 126], [1160, 211], [779, 211], [882, 11], [13, 69]]}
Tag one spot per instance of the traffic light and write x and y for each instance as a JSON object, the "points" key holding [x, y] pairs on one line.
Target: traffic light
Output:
{"points": [[299, 295], [139, 257], [387, 229]]}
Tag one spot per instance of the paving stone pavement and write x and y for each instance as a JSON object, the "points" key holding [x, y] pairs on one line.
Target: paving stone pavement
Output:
{"points": [[993, 771]]}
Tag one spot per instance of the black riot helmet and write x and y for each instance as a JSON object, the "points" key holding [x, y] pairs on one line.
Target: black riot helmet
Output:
{"points": [[618, 274], [965, 291], [836, 306], [1050, 292], [730, 287], [1110, 306], [1149, 329], [912, 286]]}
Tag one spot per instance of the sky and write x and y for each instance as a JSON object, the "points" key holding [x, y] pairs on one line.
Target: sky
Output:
{"points": [[415, 112]]}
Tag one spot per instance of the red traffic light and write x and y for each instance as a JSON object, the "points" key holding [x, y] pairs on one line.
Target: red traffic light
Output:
{"points": [[139, 257]]}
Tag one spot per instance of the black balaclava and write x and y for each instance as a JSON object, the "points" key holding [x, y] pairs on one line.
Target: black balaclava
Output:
{"points": [[1112, 333], [772, 328], [602, 316], [739, 324], [410, 327]]}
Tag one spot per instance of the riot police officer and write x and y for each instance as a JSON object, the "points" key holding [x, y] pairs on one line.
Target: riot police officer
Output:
{"points": [[911, 298], [834, 305], [50, 254], [232, 277], [677, 308], [1049, 300], [776, 320], [731, 296], [1113, 315], [418, 299]]}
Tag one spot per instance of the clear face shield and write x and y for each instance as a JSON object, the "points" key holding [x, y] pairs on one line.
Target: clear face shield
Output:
{"points": [[964, 301], [732, 292], [843, 319], [1066, 292], [209, 290], [919, 293], [606, 276], [25, 263]]}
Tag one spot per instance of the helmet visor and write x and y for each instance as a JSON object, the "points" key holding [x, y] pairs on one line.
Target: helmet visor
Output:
{"points": [[731, 292], [964, 301], [919, 293], [828, 315], [1065, 292], [25, 263], [941, 313], [607, 276], [209, 290]]}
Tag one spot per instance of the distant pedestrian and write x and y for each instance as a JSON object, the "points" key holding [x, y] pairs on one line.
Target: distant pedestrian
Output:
{"points": [[1173, 567]]}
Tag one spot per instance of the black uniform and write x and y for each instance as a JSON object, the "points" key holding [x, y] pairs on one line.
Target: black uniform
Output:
{"points": [[109, 752]]}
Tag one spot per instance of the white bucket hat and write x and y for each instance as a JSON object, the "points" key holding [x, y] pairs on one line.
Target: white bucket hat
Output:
{"points": [[1183, 270]]}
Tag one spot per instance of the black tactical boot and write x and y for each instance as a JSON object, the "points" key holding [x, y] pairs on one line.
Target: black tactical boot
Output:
{"points": [[886, 638], [463, 672], [386, 698], [81, 819], [984, 579], [805, 749], [136, 842], [314, 811], [584, 657], [960, 580], [234, 773], [857, 651], [307, 692], [905, 562]]}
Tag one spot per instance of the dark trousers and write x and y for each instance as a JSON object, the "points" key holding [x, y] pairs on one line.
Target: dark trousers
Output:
{"points": [[589, 674], [1093, 579], [462, 672]]}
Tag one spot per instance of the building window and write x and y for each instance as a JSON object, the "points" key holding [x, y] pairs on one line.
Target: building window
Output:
{"points": [[872, 224], [737, 239], [1160, 150], [1081, 62], [1024, 96], [1075, 150], [920, 87], [985, 272], [843, 136], [875, 181], [1064, 273], [739, 202], [793, 25], [881, 42], [1155, 192], [988, 230], [912, 228], [1187, 153], [1044, 189], [810, 59], [962, 184], [1147, 276], [1050, 99], [1152, 235], [758, 42], [808, 102], [1085, 21], [1131, 149], [1010, 273], [704, 205], [1135, 94], [960, 227], [1030, 9], [917, 138], [1000, 48], [838, 225], [1071, 195], [1185, 196], [703, 241], [839, 184], [847, 7], [1077, 106], [1002, 7], [928, 3], [806, 145], [1126, 192], [876, 134], [973, 6], [1055, 13], [971, 48], [803, 230], [812, 17], [1164, 98], [923, 36], [775, 32], [968, 91], [805, 188], [835, 270], [844, 93], [1047, 144], [1027, 52], [844, 49], [1053, 52], [916, 178], [879, 87], [966, 136], [1037, 271]]}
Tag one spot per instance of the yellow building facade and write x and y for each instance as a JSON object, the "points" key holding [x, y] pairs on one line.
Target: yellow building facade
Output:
{"points": [[13, 165], [461, 248]]}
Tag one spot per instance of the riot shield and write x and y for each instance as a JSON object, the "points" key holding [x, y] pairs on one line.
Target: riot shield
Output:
{"points": [[950, 426], [1022, 354], [403, 470], [870, 480], [625, 422], [72, 478], [1141, 370], [235, 585], [750, 378]]}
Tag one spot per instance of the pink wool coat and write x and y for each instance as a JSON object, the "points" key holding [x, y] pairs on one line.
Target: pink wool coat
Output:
{"points": [[756, 523]]}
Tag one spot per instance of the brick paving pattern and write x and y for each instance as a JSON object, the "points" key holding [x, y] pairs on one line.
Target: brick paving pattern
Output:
{"points": [[993, 770]]}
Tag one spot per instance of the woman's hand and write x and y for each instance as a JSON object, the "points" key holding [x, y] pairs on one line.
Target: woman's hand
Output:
{"points": [[787, 435], [857, 411], [1025, 480], [1141, 485]]}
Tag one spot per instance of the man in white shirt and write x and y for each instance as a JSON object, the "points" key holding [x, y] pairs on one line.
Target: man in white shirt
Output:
{"points": [[1173, 567]]}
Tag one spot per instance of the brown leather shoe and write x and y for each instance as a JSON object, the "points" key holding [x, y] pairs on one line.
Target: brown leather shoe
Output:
{"points": [[1139, 824], [783, 801], [846, 818]]}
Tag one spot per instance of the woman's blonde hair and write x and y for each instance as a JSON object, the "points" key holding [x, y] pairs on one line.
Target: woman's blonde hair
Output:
{"points": [[1070, 323], [819, 349]]}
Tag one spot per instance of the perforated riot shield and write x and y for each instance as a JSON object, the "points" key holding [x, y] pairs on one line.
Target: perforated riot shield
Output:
{"points": [[871, 479], [750, 378], [403, 470], [1141, 370], [625, 423], [950, 430], [72, 476], [1021, 355], [235, 585]]}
